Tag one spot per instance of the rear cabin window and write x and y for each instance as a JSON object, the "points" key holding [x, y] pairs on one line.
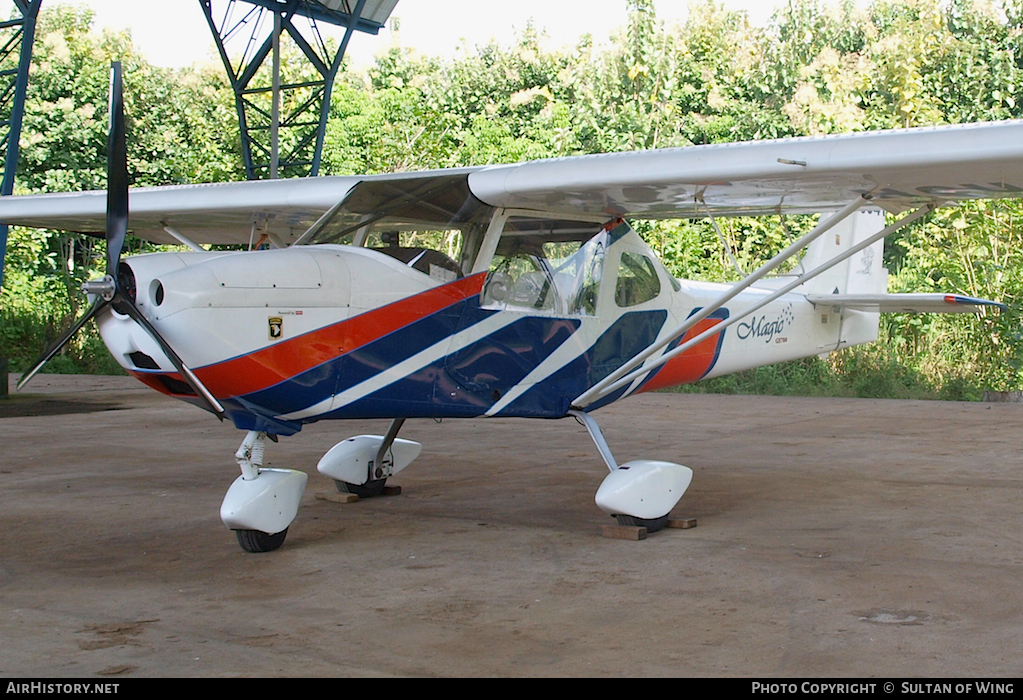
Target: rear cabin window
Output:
{"points": [[637, 280]]}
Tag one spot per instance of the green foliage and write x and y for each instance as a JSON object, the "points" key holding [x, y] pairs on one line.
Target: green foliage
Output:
{"points": [[868, 372], [807, 377]]}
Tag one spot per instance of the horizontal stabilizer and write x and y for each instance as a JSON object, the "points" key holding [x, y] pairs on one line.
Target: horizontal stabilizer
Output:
{"points": [[904, 303]]}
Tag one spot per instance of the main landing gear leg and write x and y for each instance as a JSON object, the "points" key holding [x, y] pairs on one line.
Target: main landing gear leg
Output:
{"points": [[262, 502], [361, 464], [641, 492], [377, 470]]}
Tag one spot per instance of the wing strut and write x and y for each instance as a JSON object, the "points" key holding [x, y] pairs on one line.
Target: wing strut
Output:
{"points": [[721, 237], [599, 389], [597, 436], [183, 239], [627, 373]]}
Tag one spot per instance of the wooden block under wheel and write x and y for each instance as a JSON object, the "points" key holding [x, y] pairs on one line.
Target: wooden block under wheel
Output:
{"points": [[623, 532]]}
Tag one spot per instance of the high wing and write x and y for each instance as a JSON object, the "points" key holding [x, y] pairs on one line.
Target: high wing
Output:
{"points": [[215, 213], [897, 169], [221, 213], [901, 169]]}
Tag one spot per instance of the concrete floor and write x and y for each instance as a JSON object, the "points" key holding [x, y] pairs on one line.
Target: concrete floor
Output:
{"points": [[836, 538]]}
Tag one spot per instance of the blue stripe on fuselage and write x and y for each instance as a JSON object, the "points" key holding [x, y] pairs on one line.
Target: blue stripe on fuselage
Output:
{"points": [[345, 371], [470, 380], [552, 397]]}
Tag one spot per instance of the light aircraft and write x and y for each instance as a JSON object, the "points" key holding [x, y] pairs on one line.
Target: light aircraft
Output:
{"points": [[510, 290]]}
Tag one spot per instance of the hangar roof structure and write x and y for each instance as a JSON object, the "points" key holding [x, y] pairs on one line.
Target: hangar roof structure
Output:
{"points": [[341, 12], [248, 34]]}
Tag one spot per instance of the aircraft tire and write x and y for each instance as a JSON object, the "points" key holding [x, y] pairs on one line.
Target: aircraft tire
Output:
{"points": [[256, 542], [651, 525], [373, 487]]}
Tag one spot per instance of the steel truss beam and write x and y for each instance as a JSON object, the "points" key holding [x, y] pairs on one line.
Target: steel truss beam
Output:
{"points": [[16, 38], [282, 124]]}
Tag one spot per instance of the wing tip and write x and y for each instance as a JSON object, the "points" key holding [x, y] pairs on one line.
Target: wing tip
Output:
{"points": [[958, 300]]}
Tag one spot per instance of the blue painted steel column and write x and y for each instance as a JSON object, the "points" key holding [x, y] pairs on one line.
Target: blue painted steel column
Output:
{"points": [[306, 148], [29, 11], [328, 88]]}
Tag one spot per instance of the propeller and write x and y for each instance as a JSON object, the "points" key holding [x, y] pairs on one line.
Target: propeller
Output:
{"points": [[117, 287]]}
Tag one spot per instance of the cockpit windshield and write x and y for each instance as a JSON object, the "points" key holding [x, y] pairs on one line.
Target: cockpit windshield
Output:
{"points": [[434, 224], [558, 272]]}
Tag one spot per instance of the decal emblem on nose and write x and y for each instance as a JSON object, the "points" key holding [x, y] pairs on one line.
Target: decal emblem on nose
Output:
{"points": [[276, 330]]}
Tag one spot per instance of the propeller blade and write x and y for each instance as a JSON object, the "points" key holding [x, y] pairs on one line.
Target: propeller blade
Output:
{"points": [[117, 174], [117, 230], [200, 389], [115, 290], [62, 341]]}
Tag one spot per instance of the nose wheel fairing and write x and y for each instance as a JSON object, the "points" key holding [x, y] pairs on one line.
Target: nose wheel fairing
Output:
{"points": [[261, 503], [267, 503]]}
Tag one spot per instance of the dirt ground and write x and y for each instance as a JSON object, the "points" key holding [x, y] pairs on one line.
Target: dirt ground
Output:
{"points": [[836, 538]]}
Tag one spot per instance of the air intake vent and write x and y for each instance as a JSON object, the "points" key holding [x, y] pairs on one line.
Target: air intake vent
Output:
{"points": [[176, 386], [142, 360]]}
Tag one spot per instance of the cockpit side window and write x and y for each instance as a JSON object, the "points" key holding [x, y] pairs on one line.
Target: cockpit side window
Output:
{"points": [[521, 281]]}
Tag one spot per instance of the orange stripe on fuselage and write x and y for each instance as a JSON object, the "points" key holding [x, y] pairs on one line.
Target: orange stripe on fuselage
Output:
{"points": [[276, 363], [691, 365]]}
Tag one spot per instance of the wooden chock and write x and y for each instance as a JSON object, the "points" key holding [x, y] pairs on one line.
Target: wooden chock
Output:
{"points": [[681, 523], [336, 497], [623, 532]]}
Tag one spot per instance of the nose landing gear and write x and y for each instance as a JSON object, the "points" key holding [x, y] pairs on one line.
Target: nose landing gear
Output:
{"points": [[262, 502]]}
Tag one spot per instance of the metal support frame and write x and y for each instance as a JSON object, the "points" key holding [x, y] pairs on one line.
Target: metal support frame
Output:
{"points": [[17, 36], [631, 371], [280, 136]]}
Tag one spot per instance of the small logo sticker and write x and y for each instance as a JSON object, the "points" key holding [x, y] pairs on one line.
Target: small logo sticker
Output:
{"points": [[867, 261], [276, 327]]}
